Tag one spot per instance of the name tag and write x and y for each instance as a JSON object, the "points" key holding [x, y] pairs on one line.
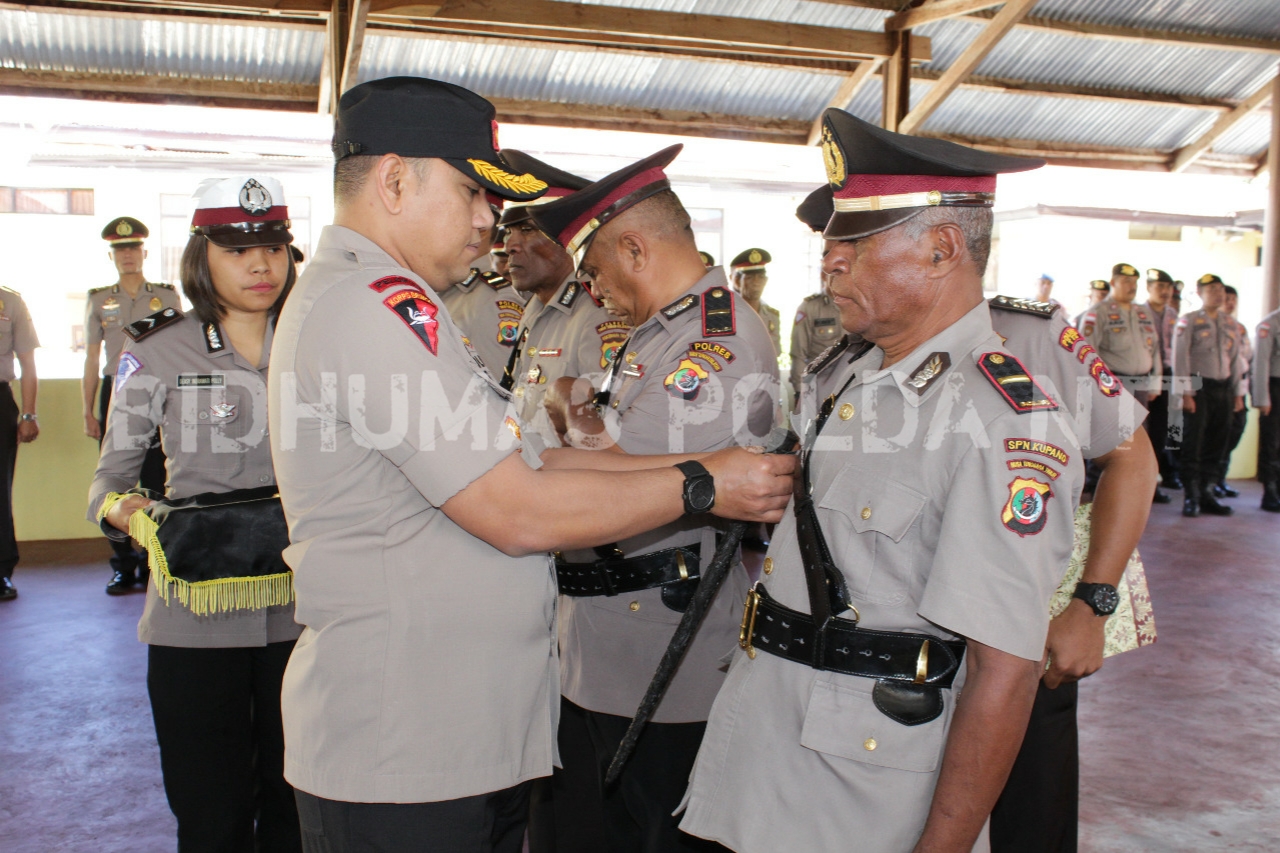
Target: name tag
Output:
{"points": [[201, 380]]}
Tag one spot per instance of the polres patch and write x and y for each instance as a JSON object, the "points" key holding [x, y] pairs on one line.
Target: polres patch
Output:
{"points": [[419, 314], [128, 366], [1027, 510]]}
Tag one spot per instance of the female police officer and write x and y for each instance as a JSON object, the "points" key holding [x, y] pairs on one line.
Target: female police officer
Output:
{"points": [[214, 666]]}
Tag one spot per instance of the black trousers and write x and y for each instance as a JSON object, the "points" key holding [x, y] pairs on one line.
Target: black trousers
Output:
{"points": [[566, 811], [636, 813], [1158, 429], [487, 823], [217, 716], [124, 557], [1235, 432], [8, 459], [1269, 438], [1039, 808], [1206, 432]]}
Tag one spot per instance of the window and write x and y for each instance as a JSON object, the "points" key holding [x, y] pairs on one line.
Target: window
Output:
{"points": [[1143, 231], [708, 230], [64, 202]]}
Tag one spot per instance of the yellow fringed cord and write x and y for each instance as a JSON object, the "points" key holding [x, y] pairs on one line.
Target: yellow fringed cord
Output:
{"points": [[108, 503], [222, 595]]}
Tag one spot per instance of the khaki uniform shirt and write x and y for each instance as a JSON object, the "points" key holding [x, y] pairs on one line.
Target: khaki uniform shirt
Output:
{"points": [[1166, 318], [1208, 347], [949, 513], [772, 322], [1266, 360], [427, 670], [211, 407], [816, 327], [17, 332], [572, 336], [489, 316], [1126, 337], [676, 391], [109, 309]]}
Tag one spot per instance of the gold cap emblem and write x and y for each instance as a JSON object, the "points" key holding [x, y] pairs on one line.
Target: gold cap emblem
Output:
{"points": [[833, 159], [124, 229], [755, 257]]}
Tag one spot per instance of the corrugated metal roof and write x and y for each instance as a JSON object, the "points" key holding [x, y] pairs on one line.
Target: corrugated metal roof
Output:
{"points": [[788, 11], [1248, 138], [1250, 18]]}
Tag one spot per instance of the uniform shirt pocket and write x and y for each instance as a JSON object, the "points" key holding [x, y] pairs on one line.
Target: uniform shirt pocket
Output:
{"points": [[842, 720], [878, 513], [211, 421]]}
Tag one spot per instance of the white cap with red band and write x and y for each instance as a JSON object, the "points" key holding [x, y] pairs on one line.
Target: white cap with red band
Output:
{"points": [[242, 211]]}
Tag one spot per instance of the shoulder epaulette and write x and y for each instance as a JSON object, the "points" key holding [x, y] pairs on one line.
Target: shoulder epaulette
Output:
{"points": [[10, 289], [94, 290], [1043, 310], [165, 285], [148, 325], [1015, 385], [834, 351], [495, 280], [570, 294], [681, 305], [717, 313]]}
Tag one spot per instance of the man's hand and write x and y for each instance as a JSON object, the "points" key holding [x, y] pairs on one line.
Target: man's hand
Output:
{"points": [[751, 485], [1075, 644], [91, 427], [568, 404], [118, 515], [1189, 403], [1266, 410], [1239, 404], [27, 431]]}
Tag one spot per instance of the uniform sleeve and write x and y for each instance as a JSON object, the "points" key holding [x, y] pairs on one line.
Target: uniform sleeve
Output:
{"points": [[1260, 388], [1088, 326], [1182, 357], [1005, 539], [24, 330], [407, 387], [137, 408], [799, 347], [92, 323]]}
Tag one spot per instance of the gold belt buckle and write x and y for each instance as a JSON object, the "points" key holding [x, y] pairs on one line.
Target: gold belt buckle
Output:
{"points": [[748, 626], [922, 663]]}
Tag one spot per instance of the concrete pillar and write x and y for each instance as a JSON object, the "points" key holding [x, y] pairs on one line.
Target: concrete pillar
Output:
{"points": [[1271, 222]]}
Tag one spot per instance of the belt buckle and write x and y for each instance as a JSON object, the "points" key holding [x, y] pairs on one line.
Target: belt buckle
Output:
{"points": [[748, 626], [922, 664]]}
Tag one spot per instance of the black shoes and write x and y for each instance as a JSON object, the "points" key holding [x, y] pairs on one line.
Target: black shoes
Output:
{"points": [[1191, 508], [7, 592], [1210, 506], [121, 583], [1270, 498], [1160, 498], [1222, 490], [1172, 482]]}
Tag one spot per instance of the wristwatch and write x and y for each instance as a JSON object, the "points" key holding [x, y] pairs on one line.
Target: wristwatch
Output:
{"points": [[1102, 597], [29, 416], [699, 488]]}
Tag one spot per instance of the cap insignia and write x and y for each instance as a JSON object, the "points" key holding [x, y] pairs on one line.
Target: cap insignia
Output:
{"points": [[755, 257], [124, 229], [525, 183], [833, 158], [254, 198]]}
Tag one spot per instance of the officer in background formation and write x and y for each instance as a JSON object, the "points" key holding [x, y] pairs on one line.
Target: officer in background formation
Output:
{"points": [[108, 310], [707, 259], [1099, 290], [1264, 390], [487, 309], [1159, 293], [500, 259], [1209, 387], [749, 280], [817, 323], [1240, 417], [564, 330], [1044, 290], [17, 426], [697, 373], [1125, 336]]}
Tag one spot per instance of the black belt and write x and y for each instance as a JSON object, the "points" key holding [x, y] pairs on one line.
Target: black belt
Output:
{"points": [[888, 655], [618, 574], [1215, 383]]}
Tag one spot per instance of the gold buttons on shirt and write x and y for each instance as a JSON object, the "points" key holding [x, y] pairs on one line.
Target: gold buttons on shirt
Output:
{"points": [[870, 744], [629, 358], [866, 513], [635, 605], [519, 392], [847, 411], [531, 351], [768, 565]]}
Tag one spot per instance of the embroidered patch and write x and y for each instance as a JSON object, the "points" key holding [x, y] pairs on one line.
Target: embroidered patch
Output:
{"points": [[928, 372], [800, 315], [713, 347], [419, 314], [202, 380], [718, 313], [1018, 389], [1088, 329], [1085, 351], [1069, 338], [128, 366], [509, 314], [610, 344], [1026, 511], [386, 283], [685, 380], [709, 361], [1021, 464], [1042, 448], [1107, 382], [612, 326]]}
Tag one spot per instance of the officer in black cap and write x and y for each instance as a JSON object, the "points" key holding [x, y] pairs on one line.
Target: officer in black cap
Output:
{"points": [[749, 277], [108, 310], [1099, 290], [1159, 302]]}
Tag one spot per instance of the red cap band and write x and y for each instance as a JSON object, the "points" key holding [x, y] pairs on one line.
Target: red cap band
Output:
{"points": [[649, 176], [206, 216], [866, 186]]}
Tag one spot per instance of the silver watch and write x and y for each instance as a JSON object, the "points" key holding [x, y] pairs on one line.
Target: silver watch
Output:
{"points": [[29, 416]]}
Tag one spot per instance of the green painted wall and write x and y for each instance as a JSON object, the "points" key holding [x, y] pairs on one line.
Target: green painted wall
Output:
{"points": [[53, 474]]}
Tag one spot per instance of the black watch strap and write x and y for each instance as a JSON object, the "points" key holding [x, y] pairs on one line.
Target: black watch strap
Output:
{"points": [[1102, 598], [696, 473]]}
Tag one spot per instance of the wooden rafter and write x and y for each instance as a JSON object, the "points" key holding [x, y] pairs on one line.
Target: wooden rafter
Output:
{"points": [[1188, 154], [355, 45], [1012, 12], [849, 87], [1143, 34], [935, 10]]}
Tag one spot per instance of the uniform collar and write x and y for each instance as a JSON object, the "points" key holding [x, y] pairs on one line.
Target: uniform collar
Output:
{"points": [[217, 345], [360, 248], [569, 291], [714, 277]]}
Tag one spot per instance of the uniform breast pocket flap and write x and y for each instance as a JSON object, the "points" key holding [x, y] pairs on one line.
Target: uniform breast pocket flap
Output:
{"points": [[873, 504], [842, 720]]}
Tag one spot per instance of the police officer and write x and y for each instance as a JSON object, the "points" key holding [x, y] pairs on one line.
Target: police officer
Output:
{"points": [[1159, 302], [749, 276], [213, 676], [564, 330], [1240, 417], [707, 259], [108, 310], [1044, 290], [1207, 380], [487, 309], [698, 373], [1099, 290], [499, 255], [421, 698], [817, 323], [1265, 389], [842, 703], [17, 426]]}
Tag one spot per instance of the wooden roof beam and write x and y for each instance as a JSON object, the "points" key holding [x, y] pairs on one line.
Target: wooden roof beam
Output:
{"points": [[1142, 34], [935, 10], [1005, 20], [849, 87], [1188, 154]]}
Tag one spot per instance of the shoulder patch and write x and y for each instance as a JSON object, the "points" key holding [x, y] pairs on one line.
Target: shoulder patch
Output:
{"points": [[127, 366], [94, 290], [675, 309], [718, 313], [1013, 382], [1069, 338], [570, 294], [419, 314], [147, 325], [495, 280], [1043, 310], [387, 282]]}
